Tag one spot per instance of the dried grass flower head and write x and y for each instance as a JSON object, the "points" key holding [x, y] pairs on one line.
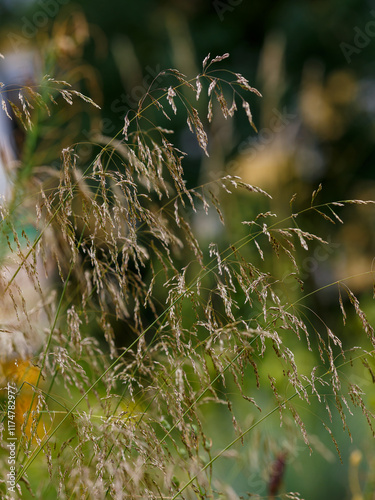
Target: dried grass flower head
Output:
{"points": [[207, 326]]}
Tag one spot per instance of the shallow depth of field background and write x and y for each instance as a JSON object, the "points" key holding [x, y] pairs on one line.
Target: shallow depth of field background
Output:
{"points": [[314, 63]]}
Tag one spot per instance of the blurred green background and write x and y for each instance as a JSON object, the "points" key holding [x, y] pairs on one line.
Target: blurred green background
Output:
{"points": [[314, 63]]}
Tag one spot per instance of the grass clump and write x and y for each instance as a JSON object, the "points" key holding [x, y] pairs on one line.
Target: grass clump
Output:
{"points": [[141, 356]]}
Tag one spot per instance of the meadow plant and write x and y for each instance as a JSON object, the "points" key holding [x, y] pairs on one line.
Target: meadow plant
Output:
{"points": [[142, 356]]}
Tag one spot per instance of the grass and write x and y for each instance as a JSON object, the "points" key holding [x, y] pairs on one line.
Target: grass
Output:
{"points": [[140, 336]]}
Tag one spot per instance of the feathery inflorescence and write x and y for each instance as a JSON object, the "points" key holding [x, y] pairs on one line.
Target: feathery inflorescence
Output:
{"points": [[149, 329]]}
